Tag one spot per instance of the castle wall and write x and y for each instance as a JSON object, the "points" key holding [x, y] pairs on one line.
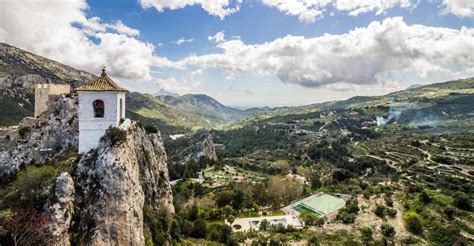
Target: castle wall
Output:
{"points": [[45, 92], [91, 129]]}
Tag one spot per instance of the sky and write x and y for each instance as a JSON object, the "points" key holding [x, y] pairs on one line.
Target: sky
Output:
{"points": [[248, 53]]}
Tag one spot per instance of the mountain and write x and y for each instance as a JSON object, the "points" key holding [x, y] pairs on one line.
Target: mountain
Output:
{"points": [[20, 70], [200, 104]]}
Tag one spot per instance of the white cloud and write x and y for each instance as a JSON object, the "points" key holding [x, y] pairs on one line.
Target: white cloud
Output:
{"points": [[183, 41], [342, 86], [306, 10], [219, 8], [123, 29], [60, 30], [181, 86], [217, 38], [312, 10], [197, 72], [462, 8], [362, 56]]}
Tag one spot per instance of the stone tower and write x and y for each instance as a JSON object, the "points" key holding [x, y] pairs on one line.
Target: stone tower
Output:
{"points": [[101, 105], [45, 93]]}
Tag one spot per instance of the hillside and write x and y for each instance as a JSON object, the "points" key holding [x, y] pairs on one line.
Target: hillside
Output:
{"points": [[405, 155], [21, 70]]}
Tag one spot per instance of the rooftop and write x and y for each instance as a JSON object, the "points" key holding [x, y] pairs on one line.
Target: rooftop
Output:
{"points": [[103, 83]]}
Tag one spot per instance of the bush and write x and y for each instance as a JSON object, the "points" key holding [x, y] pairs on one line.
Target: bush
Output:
{"points": [[380, 210], [387, 230], [413, 222], [31, 186], [391, 212], [313, 241], [115, 135], [449, 211], [462, 201], [366, 234], [200, 229]]}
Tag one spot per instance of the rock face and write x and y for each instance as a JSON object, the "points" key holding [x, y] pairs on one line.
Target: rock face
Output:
{"points": [[60, 207], [204, 148], [115, 182], [38, 139]]}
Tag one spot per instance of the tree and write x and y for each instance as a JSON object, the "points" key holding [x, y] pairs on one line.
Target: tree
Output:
{"points": [[223, 198], [315, 181], [27, 226], [303, 171], [413, 222], [231, 219], [462, 201], [424, 197], [193, 213], [200, 229], [282, 165], [264, 225]]}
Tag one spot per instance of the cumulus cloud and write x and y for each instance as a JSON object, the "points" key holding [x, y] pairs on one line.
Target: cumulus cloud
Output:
{"points": [[362, 56], [62, 31], [183, 41], [312, 10], [217, 38], [219, 8], [181, 86], [463, 8], [123, 29]]}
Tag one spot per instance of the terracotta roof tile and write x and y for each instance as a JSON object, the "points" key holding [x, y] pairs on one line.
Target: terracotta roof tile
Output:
{"points": [[103, 83]]}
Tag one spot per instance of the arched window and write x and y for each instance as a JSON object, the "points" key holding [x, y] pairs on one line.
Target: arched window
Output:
{"points": [[121, 109], [98, 106]]}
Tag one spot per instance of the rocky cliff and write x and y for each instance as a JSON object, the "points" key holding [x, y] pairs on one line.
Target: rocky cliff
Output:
{"points": [[109, 192], [112, 187], [42, 138], [204, 147]]}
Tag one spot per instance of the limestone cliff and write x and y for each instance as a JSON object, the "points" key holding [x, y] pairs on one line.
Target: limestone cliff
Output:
{"points": [[202, 148], [38, 139], [114, 183]]}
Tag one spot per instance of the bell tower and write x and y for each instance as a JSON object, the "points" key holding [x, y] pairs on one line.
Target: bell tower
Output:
{"points": [[101, 105]]}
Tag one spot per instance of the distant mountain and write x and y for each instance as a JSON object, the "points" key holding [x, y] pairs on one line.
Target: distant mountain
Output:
{"points": [[200, 104], [20, 70], [163, 92]]}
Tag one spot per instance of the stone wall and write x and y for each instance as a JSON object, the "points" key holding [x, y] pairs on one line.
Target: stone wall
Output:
{"points": [[46, 93]]}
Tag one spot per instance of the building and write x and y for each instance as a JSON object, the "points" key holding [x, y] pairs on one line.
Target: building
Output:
{"points": [[45, 93], [319, 204], [101, 105]]}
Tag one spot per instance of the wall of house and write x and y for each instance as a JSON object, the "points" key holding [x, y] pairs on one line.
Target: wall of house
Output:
{"points": [[91, 129], [45, 92]]}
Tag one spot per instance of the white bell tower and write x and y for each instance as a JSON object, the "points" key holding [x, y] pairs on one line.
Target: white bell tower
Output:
{"points": [[101, 105]]}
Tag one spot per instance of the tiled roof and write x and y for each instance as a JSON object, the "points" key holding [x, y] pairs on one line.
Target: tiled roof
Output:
{"points": [[103, 83]]}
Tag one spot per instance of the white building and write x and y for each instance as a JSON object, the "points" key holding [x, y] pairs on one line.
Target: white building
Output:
{"points": [[101, 105]]}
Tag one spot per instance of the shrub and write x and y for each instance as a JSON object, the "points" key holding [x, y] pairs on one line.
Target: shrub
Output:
{"points": [[31, 186], [449, 211], [200, 229], [391, 212], [380, 210], [413, 222], [313, 241], [424, 197], [387, 230], [115, 135], [462, 201], [366, 234]]}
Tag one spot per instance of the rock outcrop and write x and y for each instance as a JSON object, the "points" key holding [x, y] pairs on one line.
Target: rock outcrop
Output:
{"points": [[114, 183], [60, 207], [203, 148], [38, 139]]}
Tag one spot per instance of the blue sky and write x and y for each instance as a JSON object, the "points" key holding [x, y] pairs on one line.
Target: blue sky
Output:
{"points": [[274, 52]]}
